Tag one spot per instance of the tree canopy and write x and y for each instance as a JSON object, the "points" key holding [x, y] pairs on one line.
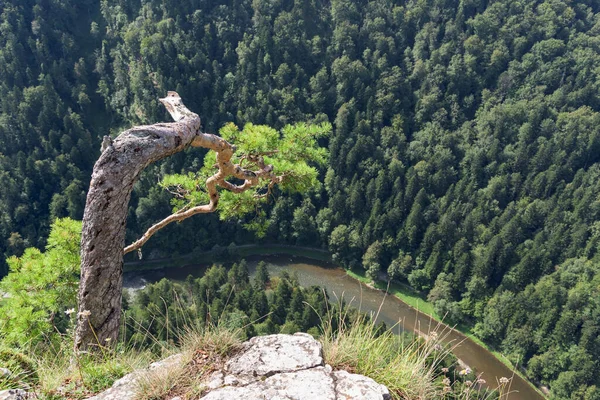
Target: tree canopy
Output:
{"points": [[465, 137]]}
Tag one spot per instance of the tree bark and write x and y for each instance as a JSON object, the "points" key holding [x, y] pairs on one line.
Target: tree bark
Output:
{"points": [[103, 233], [113, 177]]}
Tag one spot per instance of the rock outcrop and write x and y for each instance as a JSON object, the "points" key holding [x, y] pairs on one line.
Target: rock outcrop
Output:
{"points": [[126, 387], [285, 367], [14, 394]]}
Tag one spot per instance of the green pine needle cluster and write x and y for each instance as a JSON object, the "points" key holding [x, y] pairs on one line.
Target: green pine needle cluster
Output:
{"points": [[40, 287], [294, 152]]}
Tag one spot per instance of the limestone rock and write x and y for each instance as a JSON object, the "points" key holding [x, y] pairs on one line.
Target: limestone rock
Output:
{"points": [[13, 394], [267, 355], [125, 388], [314, 383], [353, 386], [274, 367], [288, 367]]}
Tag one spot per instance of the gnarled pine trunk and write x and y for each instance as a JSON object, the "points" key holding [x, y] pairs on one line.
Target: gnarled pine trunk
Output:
{"points": [[103, 235], [114, 175]]}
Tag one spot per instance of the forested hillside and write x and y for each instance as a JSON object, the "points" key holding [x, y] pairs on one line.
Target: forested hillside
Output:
{"points": [[50, 117], [464, 158]]}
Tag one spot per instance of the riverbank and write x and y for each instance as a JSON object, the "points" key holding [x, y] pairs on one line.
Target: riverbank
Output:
{"points": [[416, 300], [227, 254], [401, 291]]}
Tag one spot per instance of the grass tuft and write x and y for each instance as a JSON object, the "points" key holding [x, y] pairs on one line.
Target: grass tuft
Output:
{"points": [[404, 365], [62, 375], [412, 368], [203, 351], [22, 369]]}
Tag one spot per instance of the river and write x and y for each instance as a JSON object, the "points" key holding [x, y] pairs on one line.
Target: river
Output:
{"points": [[387, 308]]}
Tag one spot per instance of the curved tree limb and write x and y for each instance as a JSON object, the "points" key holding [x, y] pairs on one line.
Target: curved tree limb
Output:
{"points": [[226, 169]]}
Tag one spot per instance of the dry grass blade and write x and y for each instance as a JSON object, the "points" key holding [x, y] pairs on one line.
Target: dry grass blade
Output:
{"points": [[203, 351]]}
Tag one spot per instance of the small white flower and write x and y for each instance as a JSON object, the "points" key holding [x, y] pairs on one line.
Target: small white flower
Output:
{"points": [[70, 311], [85, 313]]}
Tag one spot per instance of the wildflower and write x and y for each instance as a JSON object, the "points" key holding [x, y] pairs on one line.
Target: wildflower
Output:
{"points": [[107, 339], [85, 313], [447, 389], [70, 311], [446, 381], [504, 380], [465, 371], [468, 383], [481, 381], [445, 370]]}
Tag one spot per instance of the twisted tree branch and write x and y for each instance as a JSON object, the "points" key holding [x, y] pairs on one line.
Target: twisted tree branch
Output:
{"points": [[226, 169]]}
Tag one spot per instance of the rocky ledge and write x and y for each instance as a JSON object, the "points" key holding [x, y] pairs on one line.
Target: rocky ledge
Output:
{"points": [[284, 367]]}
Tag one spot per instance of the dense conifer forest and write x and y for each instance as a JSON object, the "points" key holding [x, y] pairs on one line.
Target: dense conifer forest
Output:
{"points": [[465, 156]]}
